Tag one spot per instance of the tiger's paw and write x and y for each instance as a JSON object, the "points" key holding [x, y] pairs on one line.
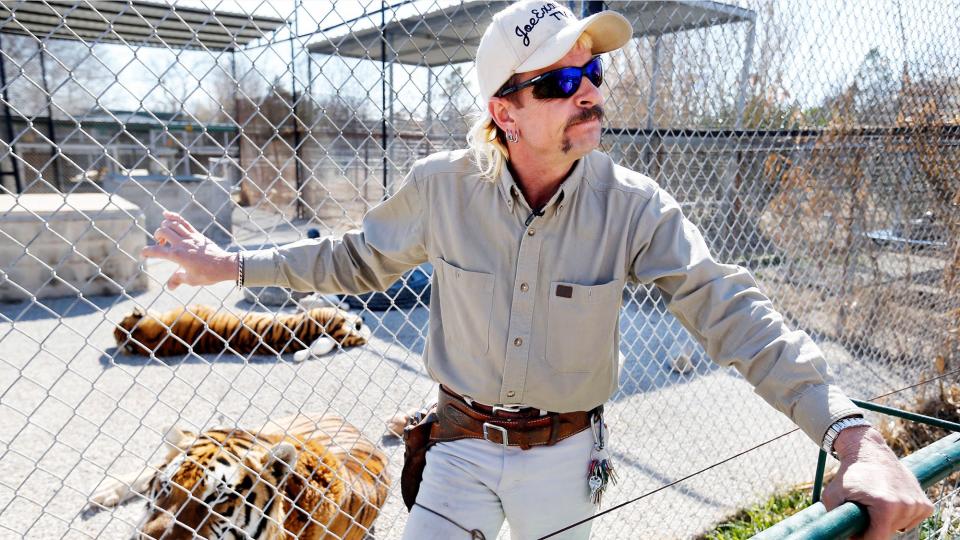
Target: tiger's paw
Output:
{"points": [[396, 424], [115, 491], [320, 347], [109, 493], [108, 497]]}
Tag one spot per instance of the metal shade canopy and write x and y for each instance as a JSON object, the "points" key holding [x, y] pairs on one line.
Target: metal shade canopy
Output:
{"points": [[135, 23], [446, 36], [451, 35], [658, 18]]}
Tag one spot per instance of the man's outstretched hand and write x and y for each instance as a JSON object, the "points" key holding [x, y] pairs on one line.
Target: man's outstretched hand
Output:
{"points": [[201, 261], [871, 475]]}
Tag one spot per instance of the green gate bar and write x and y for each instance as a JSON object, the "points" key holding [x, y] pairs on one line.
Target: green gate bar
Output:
{"points": [[907, 415], [929, 464]]}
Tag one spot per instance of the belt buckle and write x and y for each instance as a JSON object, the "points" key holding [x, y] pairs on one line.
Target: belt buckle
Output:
{"points": [[504, 439], [505, 408]]}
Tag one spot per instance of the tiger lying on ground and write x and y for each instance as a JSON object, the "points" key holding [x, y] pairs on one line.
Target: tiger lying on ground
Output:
{"points": [[224, 483], [208, 330]]}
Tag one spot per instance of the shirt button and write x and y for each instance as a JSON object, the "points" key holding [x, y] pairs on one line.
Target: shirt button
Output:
{"points": [[518, 342], [524, 287], [531, 231], [511, 393]]}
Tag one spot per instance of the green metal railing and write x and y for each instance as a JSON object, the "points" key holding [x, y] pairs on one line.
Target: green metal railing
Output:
{"points": [[930, 465]]}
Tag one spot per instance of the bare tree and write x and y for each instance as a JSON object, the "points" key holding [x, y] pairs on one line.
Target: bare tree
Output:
{"points": [[75, 78]]}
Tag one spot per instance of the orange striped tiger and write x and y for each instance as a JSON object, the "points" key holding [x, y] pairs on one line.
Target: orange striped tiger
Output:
{"points": [[304, 477], [204, 330]]}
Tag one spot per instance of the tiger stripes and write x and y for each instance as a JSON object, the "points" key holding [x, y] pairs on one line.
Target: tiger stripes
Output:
{"points": [[311, 477], [204, 330]]}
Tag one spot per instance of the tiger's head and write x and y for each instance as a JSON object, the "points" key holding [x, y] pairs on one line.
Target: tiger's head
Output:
{"points": [[138, 328], [348, 329], [222, 484], [335, 328]]}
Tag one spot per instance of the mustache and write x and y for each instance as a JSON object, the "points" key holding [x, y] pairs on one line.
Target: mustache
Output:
{"points": [[595, 112]]}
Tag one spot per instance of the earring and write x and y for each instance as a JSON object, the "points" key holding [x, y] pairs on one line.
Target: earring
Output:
{"points": [[513, 136]]}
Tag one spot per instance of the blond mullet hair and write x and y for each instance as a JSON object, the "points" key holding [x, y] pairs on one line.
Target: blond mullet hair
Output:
{"points": [[488, 142]]}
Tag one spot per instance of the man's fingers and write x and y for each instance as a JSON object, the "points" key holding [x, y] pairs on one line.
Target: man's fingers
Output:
{"points": [[172, 229], [913, 512], [177, 227], [175, 217], [828, 499], [166, 235], [884, 521], [876, 532], [158, 251], [890, 517], [923, 510], [176, 279], [163, 249]]}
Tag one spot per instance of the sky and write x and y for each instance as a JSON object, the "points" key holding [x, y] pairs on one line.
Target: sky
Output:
{"points": [[827, 40]]}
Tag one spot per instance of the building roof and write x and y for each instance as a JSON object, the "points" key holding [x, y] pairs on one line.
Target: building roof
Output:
{"points": [[451, 34], [135, 22], [133, 120]]}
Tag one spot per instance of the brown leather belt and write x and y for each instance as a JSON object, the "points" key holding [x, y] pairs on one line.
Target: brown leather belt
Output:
{"points": [[525, 428]]}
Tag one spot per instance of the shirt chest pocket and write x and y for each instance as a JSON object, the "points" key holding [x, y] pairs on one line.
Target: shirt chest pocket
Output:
{"points": [[466, 303], [582, 325]]}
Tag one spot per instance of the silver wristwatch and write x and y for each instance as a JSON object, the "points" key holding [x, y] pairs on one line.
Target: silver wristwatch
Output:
{"points": [[836, 428]]}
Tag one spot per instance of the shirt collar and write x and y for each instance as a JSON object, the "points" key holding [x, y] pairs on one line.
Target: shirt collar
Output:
{"points": [[511, 193]]}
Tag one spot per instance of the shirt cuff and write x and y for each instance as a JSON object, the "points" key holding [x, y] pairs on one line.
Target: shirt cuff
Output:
{"points": [[260, 268], [819, 407]]}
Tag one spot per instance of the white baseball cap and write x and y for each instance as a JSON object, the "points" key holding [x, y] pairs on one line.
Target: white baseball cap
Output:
{"points": [[533, 34]]}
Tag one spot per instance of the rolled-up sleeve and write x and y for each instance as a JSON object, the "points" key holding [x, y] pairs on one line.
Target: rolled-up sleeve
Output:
{"points": [[390, 242], [723, 308]]}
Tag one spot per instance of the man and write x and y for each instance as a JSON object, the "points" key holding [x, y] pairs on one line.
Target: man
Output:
{"points": [[533, 235]]}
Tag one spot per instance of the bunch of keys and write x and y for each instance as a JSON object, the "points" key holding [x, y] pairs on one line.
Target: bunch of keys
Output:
{"points": [[600, 473]]}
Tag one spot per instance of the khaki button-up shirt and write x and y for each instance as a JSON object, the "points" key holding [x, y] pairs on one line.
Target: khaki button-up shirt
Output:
{"points": [[525, 307]]}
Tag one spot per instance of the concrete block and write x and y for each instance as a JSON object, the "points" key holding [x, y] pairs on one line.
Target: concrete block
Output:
{"points": [[204, 201], [54, 245]]}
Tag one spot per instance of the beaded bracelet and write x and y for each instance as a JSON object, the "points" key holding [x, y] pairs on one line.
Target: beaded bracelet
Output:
{"points": [[240, 269]]}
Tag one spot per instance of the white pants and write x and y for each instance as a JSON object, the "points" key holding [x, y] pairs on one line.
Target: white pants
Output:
{"points": [[478, 484]]}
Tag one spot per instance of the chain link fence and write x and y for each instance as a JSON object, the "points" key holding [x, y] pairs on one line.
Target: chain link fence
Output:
{"points": [[815, 143]]}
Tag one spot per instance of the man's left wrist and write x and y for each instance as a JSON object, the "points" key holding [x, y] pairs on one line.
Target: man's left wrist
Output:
{"points": [[851, 439], [838, 428]]}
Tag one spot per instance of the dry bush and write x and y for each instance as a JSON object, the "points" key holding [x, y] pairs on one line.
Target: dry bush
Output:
{"points": [[906, 437]]}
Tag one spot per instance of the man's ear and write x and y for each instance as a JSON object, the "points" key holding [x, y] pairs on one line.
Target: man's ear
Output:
{"points": [[501, 110]]}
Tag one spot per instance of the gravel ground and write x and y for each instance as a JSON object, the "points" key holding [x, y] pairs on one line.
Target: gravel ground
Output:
{"points": [[73, 411]]}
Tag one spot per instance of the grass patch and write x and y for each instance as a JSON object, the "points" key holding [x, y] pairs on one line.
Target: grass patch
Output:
{"points": [[750, 521], [904, 437]]}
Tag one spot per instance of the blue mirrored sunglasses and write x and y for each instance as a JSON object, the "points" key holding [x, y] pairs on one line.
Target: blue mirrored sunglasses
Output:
{"points": [[560, 83]]}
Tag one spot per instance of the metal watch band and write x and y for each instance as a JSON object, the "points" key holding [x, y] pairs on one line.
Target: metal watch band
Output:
{"points": [[834, 430], [240, 269]]}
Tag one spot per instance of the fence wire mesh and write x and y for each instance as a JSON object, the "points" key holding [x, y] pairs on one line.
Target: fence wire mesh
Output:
{"points": [[945, 523], [815, 143]]}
